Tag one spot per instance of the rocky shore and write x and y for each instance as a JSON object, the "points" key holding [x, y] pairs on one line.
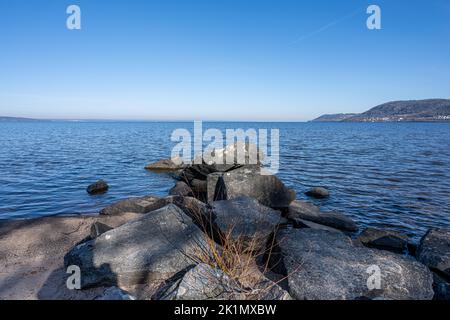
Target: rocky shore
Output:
{"points": [[223, 232]]}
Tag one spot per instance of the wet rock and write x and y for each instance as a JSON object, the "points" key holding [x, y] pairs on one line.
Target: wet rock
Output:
{"points": [[318, 192], [151, 248], [307, 211], [247, 220], [434, 250], [166, 165], [98, 229], [201, 282], [137, 205], [98, 187], [384, 239], [441, 288], [181, 189], [250, 181], [323, 265], [115, 293]]}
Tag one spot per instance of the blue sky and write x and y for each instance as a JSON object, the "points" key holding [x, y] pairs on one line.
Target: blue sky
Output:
{"points": [[219, 60]]}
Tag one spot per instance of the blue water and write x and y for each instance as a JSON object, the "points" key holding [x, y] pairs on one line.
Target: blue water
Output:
{"points": [[392, 175]]}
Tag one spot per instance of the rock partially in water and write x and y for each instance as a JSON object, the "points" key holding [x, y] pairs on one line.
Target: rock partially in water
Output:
{"points": [[318, 192], [249, 181], [166, 165], [246, 220], [201, 282], [181, 189], [98, 187], [300, 223], [384, 239], [137, 205], [307, 211], [441, 288], [434, 250], [115, 293], [323, 265], [151, 248]]}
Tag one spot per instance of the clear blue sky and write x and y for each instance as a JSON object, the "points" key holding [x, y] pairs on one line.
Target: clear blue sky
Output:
{"points": [[219, 59]]}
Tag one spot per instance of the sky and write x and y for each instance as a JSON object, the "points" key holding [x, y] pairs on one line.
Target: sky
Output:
{"points": [[248, 60]]}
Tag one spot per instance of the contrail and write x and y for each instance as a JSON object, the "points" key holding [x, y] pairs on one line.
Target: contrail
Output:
{"points": [[327, 26]]}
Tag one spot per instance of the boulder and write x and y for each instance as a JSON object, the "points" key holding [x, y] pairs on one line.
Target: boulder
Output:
{"points": [[324, 265], [166, 165], [307, 211], [250, 181], [151, 248], [300, 223], [114, 293], [434, 250], [384, 239], [181, 189], [198, 186], [98, 229], [98, 187], [137, 205], [247, 220], [201, 282], [318, 192], [441, 288]]}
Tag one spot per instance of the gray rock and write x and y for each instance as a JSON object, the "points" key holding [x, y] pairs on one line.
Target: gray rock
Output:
{"points": [[166, 165], [441, 288], [434, 250], [201, 282], [318, 192], [181, 189], [323, 265], [151, 248], [300, 223], [307, 211], [98, 229], [114, 293], [98, 187], [384, 239], [245, 219], [137, 205], [248, 181], [198, 186]]}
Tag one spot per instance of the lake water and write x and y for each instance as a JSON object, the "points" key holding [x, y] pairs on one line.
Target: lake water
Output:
{"points": [[391, 175]]}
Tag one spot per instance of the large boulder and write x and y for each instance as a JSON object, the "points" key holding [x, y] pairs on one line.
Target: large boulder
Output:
{"points": [[181, 189], [384, 239], [151, 248], [434, 250], [250, 181], [98, 187], [245, 219], [324, 265], [137, 205], [307, 211], [201, 282]]}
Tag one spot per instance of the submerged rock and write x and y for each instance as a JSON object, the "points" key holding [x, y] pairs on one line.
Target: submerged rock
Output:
{"points": [[318, 192], [434, 250], [153, 247], [201, 282], [115, 293], [98, 187], [384, 239], [248, 181], [247, 220], [137, 205], [307, 211], [323, 265]]}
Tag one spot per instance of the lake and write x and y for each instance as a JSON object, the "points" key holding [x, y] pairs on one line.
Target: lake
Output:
{"points": [[390, 175]]}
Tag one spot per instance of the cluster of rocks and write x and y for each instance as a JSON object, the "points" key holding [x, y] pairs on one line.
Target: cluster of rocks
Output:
{"points": [[299, 252]]}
